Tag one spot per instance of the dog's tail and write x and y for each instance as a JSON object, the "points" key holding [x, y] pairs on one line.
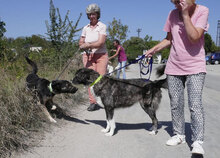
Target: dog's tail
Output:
{"points": [[161, 83], [160, 70], [33, 65]]}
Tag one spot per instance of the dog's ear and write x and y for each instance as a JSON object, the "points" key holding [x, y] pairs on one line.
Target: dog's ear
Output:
{"points": [[160, 70], [161, 83], [82, 76], [86, 70], [85, 76], [56, 85]]}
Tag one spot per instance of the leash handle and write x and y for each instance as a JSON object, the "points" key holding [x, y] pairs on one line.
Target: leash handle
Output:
{"points": [[148, 67]]}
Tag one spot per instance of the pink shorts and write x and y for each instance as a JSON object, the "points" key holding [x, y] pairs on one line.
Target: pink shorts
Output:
{"points": [[97, 62]]}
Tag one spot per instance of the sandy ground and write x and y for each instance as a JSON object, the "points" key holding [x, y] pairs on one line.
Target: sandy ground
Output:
{"points": [[82, 137]]}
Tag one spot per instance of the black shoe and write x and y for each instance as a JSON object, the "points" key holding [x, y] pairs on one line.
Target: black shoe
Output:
{"points": [[93, 107]]}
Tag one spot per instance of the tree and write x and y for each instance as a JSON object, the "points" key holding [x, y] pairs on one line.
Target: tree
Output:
{"points": [[38, 41], [209, 44], [61, 33], [147, 38], [2, 28], [2, 41], [116, 30], [134, 47]]}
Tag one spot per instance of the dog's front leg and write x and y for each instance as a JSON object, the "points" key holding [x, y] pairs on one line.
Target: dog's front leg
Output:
{"points": [[44, 109], [112, 127], [106, 130]]}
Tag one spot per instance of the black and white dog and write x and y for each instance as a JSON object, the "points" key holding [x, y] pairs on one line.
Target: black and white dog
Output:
{"points": [[117, 93], [45, 90]]}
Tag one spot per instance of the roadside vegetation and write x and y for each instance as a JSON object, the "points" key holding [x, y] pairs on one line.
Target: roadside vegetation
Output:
{"points": [[20, 119]]}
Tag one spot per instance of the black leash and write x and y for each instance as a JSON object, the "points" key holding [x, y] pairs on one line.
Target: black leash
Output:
{"points": [[66, 66]]}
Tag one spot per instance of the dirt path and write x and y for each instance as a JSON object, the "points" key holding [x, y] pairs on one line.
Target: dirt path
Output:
{"points": [[83, 138]]}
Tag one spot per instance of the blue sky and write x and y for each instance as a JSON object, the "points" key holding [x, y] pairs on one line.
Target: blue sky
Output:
{"points": [[27, 17]]}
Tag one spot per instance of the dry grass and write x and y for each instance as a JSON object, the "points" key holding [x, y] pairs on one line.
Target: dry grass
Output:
{"points": [[18, 115], [20, 119]]}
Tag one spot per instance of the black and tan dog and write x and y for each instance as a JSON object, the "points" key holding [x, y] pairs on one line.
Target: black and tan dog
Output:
{"points": [[117, 93], [45, 90]]}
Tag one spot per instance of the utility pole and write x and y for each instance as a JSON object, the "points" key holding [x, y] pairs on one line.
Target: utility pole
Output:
{"points": [[138, 31], [218, 34]]}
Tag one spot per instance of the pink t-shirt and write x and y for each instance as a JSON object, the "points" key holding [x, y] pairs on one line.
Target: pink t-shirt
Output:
{"points": [[121, 56], [186, 58], [92, 35]]}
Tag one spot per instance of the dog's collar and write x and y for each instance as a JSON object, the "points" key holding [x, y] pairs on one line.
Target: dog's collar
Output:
{"points": [[50, 87], [97, 80]]}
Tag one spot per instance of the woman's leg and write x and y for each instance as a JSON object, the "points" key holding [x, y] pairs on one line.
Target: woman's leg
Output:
{"points": [[176, 85], [119, 69], [89, 62], [123, 69], [101, 63], [195, 85]]}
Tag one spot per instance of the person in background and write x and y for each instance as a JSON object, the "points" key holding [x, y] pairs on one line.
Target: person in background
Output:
{"points": [[122, 58], [92, 40], [185, 27]]}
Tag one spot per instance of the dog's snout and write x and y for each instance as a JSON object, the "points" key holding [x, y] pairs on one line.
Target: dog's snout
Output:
{"points": [[74, 81], [76, 89]]}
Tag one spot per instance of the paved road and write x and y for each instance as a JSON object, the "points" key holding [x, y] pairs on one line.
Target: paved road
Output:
{"points": [[80, 140]]}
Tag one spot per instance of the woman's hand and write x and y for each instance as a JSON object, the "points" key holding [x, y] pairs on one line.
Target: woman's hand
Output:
{"points": [[113, 50], [166, 42], [85, 46], [185, 5], [149, 53]]}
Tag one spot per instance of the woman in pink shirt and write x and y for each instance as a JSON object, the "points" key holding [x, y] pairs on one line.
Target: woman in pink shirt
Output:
{"points": [[122, 58], [185, 27], [92, 41]]}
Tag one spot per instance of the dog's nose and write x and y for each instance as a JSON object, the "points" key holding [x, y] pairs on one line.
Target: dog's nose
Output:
{"points": [[75, 89], [72, 80]]}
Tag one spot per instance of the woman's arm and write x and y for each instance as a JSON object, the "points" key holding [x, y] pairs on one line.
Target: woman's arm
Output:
{"points": [[160, 46], [117, 52], [97, 44], [82, 40], [193, 33]]}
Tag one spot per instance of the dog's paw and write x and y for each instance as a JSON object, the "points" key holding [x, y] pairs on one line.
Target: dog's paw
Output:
{"points": [[52, 120], [153, 132], [105, 130], [109, 134], [54, 107]]}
